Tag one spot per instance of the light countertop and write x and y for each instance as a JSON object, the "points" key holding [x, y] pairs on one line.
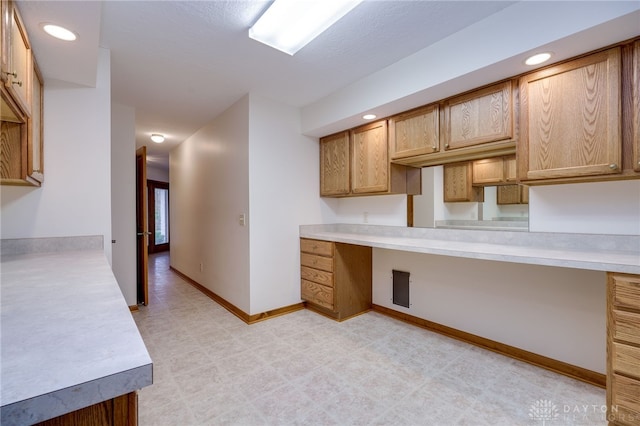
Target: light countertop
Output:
{"points": [[613, 253], [68, 338]]}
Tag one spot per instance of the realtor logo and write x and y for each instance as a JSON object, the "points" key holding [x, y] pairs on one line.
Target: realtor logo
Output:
{"points": [[544, 410]]}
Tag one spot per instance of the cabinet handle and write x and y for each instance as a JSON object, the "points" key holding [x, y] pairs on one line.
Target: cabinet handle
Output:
{"points": [[613, 166], [446, 146], [10, 74], [434, 147], [19, 83]]}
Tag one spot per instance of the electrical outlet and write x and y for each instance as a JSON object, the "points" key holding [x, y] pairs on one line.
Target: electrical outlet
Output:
{"points": [[242, 219], [201, 267]]}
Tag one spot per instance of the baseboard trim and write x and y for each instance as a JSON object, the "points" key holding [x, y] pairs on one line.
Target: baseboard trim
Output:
{"points": [[579, 373], [249, 319], [133, 308]]}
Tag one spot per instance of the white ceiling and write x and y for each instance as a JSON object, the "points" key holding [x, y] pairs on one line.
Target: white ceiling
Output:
{"points": [[181, 63]]}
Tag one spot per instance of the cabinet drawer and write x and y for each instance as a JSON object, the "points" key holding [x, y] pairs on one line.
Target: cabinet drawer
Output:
{"points": [[625, 401], [626, 359], [322, 248], [626, 291], [318, 294], [317, 262], [317, 276], [626, 326]]}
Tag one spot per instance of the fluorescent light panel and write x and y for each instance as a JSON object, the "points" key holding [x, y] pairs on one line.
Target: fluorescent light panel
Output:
{"points": [[289, 25]]}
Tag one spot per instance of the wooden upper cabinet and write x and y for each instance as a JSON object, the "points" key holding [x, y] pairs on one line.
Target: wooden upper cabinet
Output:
{"points": [[458, 186], [494, 171], [635, 109], [415, 132], [334, 165], [20, 67], [370, 159], [35, 168], [570, 119], [479, 117], [5, 39]]}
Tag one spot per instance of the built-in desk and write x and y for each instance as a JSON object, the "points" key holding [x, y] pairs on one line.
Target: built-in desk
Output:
{"points": [[611, 253], [68, 338]]}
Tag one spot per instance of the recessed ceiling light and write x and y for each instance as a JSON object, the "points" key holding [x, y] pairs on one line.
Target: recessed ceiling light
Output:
{"points": [[538, 58], [59, 32], [157, 138], [369, 116]]}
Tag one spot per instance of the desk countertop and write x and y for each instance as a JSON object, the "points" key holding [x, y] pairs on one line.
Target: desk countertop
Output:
{"points": [[613, 253], [68, 338]]}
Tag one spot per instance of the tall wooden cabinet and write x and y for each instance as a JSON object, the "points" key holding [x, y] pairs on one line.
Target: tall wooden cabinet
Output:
{"points": [[335, 277], [21, 107], [623, 349], [570, 119]]}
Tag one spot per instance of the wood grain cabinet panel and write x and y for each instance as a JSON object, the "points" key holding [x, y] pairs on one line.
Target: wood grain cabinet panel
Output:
{"points": [[479, 117], [623, 349], [570, 122], [635, 109], [338, 284], [19, 72], [370, 160], [458, 185], [415, 132], [334, 165]]}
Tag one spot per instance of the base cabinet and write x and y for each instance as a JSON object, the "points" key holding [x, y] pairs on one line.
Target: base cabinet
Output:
{"points": [[336, 278], [623, 349], [119, 411]]}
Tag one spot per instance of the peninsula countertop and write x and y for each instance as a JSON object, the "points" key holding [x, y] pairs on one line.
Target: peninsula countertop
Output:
{"points": [[613, 253], [68, 338]]}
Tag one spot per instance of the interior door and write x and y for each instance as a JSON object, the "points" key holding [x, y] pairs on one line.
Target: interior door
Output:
{"points": [[142, 232]]}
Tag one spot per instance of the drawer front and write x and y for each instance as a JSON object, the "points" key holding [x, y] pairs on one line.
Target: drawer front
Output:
{"points": [[322, 248], [317, 276], [626, 326], [626, 291], [625, 401], [317, 262], [318, 294], [626, 359]]}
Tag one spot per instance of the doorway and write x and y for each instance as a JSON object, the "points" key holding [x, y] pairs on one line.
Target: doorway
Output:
{"points": [[158, 197], [142, 233]]}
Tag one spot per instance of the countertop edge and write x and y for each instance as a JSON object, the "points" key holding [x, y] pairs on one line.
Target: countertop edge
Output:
{"points": [[48, 406]]}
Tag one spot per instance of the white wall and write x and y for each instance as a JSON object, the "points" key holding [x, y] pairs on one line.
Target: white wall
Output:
{"points": [[123, 199], [283, 187], [209, 178], [157, 173], [75, 198], [591, 208], [555, 312]]}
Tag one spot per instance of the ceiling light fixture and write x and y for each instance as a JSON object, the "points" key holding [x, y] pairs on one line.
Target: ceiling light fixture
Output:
{"points": [[59, 32], [288, 25], [369, 116], [157, 138], [538, 58]]}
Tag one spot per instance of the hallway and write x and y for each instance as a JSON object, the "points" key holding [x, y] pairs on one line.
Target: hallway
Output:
{"points": [[210, 368]]}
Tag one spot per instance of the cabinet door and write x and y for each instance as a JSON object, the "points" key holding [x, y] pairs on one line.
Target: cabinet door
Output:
{"points": [[35, 148], [414, 132], [334, 164], [635, 84], [510, 170], [370, 159], [479, 117], [488, 171], [19, 81], [570, 119], [457, 184], [5, 38], [513, 194]]}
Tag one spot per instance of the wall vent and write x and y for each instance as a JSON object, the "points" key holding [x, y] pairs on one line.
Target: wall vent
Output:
{"points": [[401, 288]]}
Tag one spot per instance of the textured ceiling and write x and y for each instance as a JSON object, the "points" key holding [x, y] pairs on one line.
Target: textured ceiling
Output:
{"points": [[181, 63]]}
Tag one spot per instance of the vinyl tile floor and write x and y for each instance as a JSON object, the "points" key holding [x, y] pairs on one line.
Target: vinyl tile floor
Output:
{"points": [[210, 368]]}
